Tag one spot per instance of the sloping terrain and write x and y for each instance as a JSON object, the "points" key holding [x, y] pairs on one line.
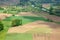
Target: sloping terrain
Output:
{"points": [[37, 24], [50, 28], [41, 30], [29, 26]]}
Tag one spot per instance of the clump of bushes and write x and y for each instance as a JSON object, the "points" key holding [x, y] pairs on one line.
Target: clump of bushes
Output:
{"points": [[54, 10], [4, 11], [49, 20], [1, 8], [1, 26], [51, 11], [16, 22], [57, 11]]}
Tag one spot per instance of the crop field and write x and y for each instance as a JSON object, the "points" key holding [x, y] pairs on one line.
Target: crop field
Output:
{"points": [[20, 24]]}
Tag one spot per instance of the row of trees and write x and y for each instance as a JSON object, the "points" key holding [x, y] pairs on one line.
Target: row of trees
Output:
{"points": [[54, 11]]}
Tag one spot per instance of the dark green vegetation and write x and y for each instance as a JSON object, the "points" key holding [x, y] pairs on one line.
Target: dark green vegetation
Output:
{"points": [[16, 22], [51, 10], [1, 9], [1, 26], [56, 11], [6, 25]]}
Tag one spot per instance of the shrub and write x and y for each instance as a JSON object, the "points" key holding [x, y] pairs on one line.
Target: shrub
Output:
{"points": [[24, 10], [51, 10], [4, 11], [49, 20], [57, 11], [1, 26], [16, 22], [1, 8]]}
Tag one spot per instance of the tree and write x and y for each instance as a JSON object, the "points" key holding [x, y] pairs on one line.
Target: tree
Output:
{"points": [[51, 10], [16, 22], [1, 26], [24, 2]]}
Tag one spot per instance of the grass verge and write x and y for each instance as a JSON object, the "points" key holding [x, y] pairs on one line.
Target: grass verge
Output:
{"points": [[20, 36]]}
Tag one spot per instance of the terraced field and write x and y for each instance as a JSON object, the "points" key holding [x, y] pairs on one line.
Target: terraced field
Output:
{"points": [[36, 24]]}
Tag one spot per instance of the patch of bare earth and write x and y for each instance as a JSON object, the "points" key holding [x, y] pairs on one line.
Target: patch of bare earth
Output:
{"points": [[4, 15]]}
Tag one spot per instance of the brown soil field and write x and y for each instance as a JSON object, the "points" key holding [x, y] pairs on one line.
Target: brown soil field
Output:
{"points": [[4, 15]]}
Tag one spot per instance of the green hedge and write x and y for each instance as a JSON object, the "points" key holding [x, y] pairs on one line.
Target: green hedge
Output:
{"points": [[16, 22]]}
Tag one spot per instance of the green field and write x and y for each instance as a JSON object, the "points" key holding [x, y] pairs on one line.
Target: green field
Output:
{"points": [[28, 34], [25, 20], [21, 36]]}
